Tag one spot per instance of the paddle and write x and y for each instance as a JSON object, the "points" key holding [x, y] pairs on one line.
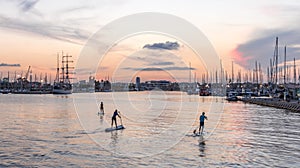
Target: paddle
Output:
{"points": [[121, 118], [195, 130]]}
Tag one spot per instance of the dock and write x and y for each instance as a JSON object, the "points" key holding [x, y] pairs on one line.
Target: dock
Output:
{"points": [[276, 103]]}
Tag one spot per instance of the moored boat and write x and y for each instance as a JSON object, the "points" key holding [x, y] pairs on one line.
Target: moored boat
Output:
{"points": [[232, 98], [62, 84], [62, 88]]}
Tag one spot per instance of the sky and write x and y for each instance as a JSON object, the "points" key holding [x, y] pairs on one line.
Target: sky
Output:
{"points": [[33, 32]]}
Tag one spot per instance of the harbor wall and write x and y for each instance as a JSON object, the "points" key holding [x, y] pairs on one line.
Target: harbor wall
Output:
{"points": [[276, 103]]}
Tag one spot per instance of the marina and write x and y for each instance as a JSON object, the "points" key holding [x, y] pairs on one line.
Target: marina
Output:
{"points": [[26, 84], [282, 87], [149, 84]]}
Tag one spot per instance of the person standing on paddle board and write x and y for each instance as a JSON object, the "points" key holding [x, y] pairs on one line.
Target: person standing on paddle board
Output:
{"points": [[101, 108], [202, 118], [114, 118]]}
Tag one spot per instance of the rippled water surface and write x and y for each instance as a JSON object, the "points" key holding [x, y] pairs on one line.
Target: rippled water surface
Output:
{"points": [[66, 131]]}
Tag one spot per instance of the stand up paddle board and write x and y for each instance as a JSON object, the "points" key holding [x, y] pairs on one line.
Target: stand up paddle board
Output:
{"points": [[197, 134], [119, 127]]}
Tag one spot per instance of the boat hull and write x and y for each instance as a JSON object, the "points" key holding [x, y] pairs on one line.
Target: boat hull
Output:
{"points": [[62, 88], [232, 98], [61, 91]]}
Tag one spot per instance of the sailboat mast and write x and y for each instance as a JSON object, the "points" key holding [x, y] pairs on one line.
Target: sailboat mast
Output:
{"points": [[271, 71], [63, 67], [57, 69], [207, 77], [260, 75], [221, 72], [276, 61], [232, 74], [268, 74], [66, 77], [284, 67], [216, 76], [294, 71], [256, 73], [190, 73], [67, 69]]}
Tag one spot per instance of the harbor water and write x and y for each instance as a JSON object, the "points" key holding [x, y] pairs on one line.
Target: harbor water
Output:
{"points": [[67, 131]]}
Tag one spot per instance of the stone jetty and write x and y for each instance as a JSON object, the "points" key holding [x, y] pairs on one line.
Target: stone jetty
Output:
{"points": [[276, 103]]}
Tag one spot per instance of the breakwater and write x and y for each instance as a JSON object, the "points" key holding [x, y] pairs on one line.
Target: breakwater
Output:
{"points": [[276, 103]]}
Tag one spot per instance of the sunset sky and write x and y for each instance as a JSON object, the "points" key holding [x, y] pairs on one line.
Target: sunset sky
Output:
{"points": [[34, 31]]}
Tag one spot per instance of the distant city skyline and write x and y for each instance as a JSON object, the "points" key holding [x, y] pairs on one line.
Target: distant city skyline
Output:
{"points": [[33, 32]]}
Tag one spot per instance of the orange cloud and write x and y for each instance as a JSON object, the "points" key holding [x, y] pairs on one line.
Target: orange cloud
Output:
{"points": [[240, 58]]}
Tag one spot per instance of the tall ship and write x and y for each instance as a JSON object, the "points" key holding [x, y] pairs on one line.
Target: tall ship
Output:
{"points": [[62, 83]]}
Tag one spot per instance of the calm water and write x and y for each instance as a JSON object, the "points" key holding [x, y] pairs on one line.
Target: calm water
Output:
{"points": [[66, 131]]}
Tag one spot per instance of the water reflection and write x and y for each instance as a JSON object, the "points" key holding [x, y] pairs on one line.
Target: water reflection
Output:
{"points": [[101, 117], [114, 141], [114, 137], [63, 96], [201, 146], [48, 133]]}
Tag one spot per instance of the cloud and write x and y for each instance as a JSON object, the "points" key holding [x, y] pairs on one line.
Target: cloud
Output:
{"points": [[84, 71], [180, 68], [161, 63], [24, 16], [62, 32], [9, 65], [26, 5], [261, 48], [160, 69], [164, 46]]}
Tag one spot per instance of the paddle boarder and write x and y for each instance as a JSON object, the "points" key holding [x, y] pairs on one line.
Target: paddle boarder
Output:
{"points": [[114, 118], [101, 108], [202, 118]]}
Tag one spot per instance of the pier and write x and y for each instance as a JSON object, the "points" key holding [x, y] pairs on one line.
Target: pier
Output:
{"points": [[273, 102]]}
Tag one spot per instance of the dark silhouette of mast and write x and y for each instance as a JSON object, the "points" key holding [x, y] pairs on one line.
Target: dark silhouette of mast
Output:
{"points": [[268, 74], [256, 73], [276, 61], [63, 67], [284, 67], [57, 69], [66, 77], [221, 72], [271, 71], [216, 76], [232, 73], [294, 71], [190, 75], [260, 74]]}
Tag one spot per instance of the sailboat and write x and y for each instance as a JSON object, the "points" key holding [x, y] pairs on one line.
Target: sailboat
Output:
{"points": [[62, 84], [192, 87]]}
